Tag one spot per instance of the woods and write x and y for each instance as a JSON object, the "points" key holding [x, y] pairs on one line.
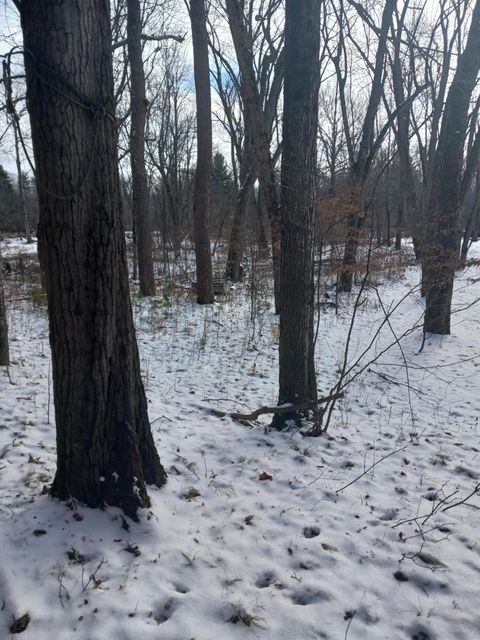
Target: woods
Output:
{"points": [[239, 248]]}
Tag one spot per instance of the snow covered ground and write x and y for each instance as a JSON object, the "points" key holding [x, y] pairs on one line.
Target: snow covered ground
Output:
{"points": [[225, 554], [15, 246]]}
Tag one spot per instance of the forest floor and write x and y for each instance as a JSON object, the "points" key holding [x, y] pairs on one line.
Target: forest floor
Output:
{"points": [[365, 533]]}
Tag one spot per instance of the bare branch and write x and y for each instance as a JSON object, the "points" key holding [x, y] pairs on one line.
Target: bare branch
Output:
{"points": [[286, 408], [146, 38]]}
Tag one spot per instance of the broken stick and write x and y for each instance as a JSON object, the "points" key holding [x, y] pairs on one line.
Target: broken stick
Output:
{"points": [[284, 408]]}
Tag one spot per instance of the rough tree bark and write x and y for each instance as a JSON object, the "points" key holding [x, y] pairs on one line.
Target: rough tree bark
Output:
{"points": [[201, 193], [141, 209], [105, 449], [4, 351], [440, 253], [298, 189]]}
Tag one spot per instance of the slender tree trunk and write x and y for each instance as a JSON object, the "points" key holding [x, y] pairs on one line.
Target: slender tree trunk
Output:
{"points": [[13, 119], [262, 235], [399, 222], [476, 226], [376, 215], [105, 449], [134, 248], [467, 236], [141, 207], [21, 189], [255, 117], [4, 351], [42, 258], [440, 257], [237, 236], [300, 122], [355, 223], [361, 167], [471, 224], [402, 133], [388, 233], [201, 193]]}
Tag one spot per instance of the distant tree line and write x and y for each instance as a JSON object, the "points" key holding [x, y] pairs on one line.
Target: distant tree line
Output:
{"points": [[11, 215]]}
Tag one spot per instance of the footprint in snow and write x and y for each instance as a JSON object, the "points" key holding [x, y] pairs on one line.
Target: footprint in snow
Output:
{"points": [[389, 514], [310, 596], [181, 588], [164, 612], [265, 580], [420, 633]]}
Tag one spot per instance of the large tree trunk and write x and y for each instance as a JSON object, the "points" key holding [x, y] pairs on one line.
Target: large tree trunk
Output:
{"points": [[204, 152], [4, 351], [105, 449], [440, 255], [255, 117], [141, 209], [300, 123]]}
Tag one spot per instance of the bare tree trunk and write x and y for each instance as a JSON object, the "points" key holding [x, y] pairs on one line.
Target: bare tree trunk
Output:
{"points": [[42, 258], [388, 233], [262, 235], [236, 248], [105, 449], [376, 215], [402, 131], [440, 255], [253, 114], [4, 351], [361, 166], [12, 117], [141, 208], [471, 223], [21, 188], [204, 152], [298, 190], [467, 236]]}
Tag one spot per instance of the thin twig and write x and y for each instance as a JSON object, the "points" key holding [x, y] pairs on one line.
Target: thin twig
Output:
{"points": [[372, 466]]}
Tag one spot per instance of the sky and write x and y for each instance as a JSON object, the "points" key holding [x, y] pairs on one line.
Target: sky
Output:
{"points": [[10, 35]]}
